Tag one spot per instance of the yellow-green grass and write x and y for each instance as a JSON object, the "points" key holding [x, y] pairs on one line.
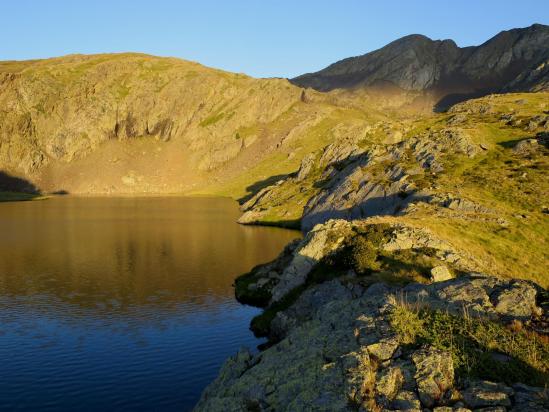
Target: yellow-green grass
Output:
{"points": [[476, 344], [18, 196]]}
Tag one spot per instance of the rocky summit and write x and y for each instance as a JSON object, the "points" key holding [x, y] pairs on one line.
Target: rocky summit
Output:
{"points": [[512, 60]]}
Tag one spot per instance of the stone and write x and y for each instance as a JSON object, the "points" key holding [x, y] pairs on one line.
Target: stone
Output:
{"points": [[518, 300], [384, 349], [388, 382], [406, 401], [307, 164], [530, 399], [440, 274], [434, 375], [482, 394]]}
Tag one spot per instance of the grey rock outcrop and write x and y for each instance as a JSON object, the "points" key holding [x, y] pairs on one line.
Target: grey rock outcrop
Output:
{"points": [[344, 356]]}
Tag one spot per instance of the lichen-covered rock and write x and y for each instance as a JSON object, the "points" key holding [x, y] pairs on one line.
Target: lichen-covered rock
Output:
{"points": [[451, 409], [434, 376], [318, 243], [384, 349], [530, 399], [482, 394], [389, 381], [406, 401], [479, 294], [340, 354], [440, 274]]}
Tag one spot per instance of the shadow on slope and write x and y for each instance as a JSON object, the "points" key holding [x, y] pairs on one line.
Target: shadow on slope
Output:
{"points": [[254, 188]]}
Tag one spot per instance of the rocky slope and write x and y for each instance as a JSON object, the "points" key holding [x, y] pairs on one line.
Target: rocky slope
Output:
{"points": [[514, 60], [474, 342], [477, 176], [389, 302]]}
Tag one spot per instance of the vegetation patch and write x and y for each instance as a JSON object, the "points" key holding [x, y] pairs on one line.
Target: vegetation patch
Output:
{"points": [[211, 120], [480, 348], [19, 196], [259, 296], [261, 324]]}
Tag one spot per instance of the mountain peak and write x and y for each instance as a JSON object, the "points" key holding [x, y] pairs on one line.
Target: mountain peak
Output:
{"points": [[418, 63]]}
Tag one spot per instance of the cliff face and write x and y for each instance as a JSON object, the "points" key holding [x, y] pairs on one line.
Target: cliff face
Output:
{"points": [[442, 68]]}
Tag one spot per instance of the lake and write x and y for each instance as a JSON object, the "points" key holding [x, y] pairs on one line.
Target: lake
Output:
{"points": [[122, 303]]}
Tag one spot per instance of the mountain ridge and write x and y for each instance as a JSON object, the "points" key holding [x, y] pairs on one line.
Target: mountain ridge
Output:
{"points": [[440, 67]]}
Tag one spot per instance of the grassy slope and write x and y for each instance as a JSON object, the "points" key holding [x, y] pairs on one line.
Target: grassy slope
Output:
{"points": [[514, 187], [510, 184]]}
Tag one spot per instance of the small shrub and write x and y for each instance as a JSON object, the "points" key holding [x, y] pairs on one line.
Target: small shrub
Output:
{"points": [[480, 348], [362, 255]]}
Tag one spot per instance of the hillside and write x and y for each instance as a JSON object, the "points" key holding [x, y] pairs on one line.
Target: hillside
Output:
{"points": [[514, 60], [420, 283], [477, 176], [157, 125]]}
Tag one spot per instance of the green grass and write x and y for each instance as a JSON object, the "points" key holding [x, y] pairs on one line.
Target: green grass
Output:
{"points": [[18, 196], [211, 120], [476, 345], [261, 324]]}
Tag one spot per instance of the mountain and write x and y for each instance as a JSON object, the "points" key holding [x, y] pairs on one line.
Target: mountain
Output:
{"points": [[514, 60], [156, 125]]}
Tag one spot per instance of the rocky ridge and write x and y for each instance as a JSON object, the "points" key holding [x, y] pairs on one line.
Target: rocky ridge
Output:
{"points": [[342, 351], [513, 60], [477, 165], [378, 308]]}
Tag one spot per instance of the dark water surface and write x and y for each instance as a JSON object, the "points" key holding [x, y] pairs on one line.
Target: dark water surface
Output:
{"points": [[121, 303]]}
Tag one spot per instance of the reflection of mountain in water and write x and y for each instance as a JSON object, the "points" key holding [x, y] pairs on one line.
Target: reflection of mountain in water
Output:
{"points": [[113, 254]]}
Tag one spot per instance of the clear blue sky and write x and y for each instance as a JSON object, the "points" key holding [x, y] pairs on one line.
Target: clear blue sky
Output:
{"points": [[261, 38]]}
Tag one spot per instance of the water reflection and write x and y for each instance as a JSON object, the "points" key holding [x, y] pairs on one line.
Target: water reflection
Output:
{"points": [[121, 303]]}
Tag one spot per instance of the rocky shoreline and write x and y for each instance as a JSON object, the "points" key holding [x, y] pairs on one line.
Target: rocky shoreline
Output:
{"points": [[411, 328]]}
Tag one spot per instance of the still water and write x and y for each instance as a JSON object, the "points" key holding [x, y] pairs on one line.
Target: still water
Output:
{"points": [[121, 303]]}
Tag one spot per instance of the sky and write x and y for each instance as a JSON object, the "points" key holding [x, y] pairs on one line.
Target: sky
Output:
{"points": [[262, 38]]}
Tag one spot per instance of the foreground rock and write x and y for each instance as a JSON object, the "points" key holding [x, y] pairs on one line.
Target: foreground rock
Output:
{"points": [[332, 242], [344, 353]]}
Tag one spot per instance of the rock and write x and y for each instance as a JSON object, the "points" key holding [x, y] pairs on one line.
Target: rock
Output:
{"points": [[450, 409], [440, 274], [530, 399], [337, 352], [517, 300], [527, 147], [406, 401], [479, 294], [388, 383], [457, 119], [482, 394], [434, 376], [318, 243], [384, 349], [462, 205], [307, 164]]}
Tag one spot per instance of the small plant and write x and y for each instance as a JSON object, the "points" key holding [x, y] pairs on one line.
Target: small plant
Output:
{"points": [[480, 348]]}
